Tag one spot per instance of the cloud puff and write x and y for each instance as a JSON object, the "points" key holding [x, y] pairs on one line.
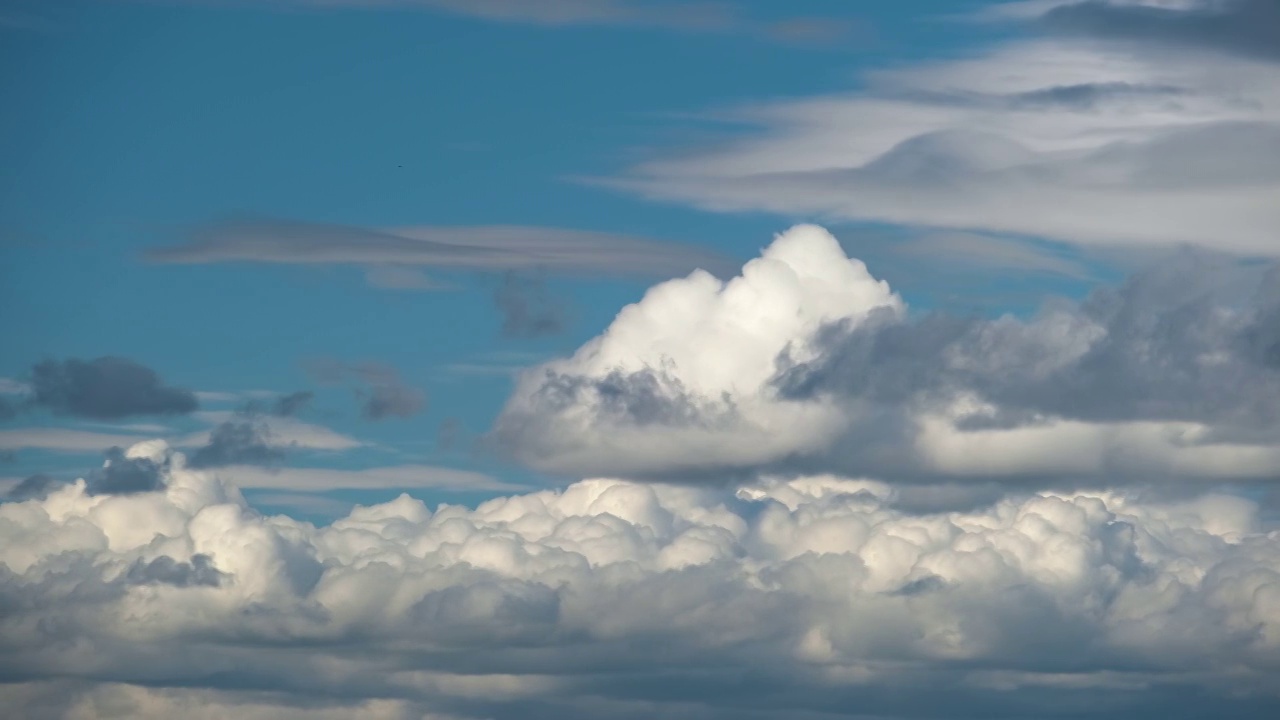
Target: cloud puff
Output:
{"points": [[781, 599], [1069, 139], [807, 363], [105, 388], [679, 377]]}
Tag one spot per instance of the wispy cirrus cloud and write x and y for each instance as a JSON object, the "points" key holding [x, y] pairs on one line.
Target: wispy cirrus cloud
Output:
{"points": [[1150, 133], [496, 249]]}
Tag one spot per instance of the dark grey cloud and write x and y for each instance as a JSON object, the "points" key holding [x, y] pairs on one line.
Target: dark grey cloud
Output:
{"points": [[552, 250], [105, 388], [8, 410], [528, 308], [1247, 27], [1169, 344], [382, 392], [35, 487], [293, 403], [243, 440], [122, 475], [164, 570]]}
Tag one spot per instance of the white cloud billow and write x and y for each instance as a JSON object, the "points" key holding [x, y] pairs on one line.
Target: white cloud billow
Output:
{"points": [[568, 603], [806, 362], [681, 378]]}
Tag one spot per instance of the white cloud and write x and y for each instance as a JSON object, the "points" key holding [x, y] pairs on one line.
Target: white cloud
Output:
{"points": [[806, 362], [9, 386], [578, 603], [1072, 140], [681, 377]]}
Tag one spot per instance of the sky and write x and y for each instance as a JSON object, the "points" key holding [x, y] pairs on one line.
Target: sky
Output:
{"points": [[485, 359]]}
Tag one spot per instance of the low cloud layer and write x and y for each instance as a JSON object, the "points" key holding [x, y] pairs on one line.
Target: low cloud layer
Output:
{"points": [[807, 363], [581, 603]]}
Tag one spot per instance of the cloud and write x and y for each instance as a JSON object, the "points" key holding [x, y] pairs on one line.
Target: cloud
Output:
{"points": [[139, 470], [105, 388], [528, 310], [293, 403], [1246, 27], [278, 431], [377, 478], [489, 249], [62, 439], [982, 252], [807, 363], [33, 487], [1100, 145], [616, 599], [245, 440], [383, 394]]}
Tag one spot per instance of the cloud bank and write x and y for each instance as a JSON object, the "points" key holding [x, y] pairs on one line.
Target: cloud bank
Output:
{"points": [[807, 363], [812, 597]]}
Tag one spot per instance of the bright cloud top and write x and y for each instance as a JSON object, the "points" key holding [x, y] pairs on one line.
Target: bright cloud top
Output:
{"points": [[556, 602], [807, 363], [683, 375]]}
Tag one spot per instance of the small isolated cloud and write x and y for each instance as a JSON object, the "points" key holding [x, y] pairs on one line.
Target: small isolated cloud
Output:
{"points": [[496, 249], [244, 440], [105, 388], [293, 403], [528, 309], [382, 392]]}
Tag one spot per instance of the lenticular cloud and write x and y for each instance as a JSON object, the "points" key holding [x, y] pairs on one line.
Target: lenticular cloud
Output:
{"points": [[781, 598]]}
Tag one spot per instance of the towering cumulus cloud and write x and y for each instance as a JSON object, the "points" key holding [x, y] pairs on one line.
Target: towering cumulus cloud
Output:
{"points": [[806, 363], [681, 380], [780, 599]]}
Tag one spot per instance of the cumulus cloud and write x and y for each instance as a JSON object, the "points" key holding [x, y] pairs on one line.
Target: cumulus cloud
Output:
{"points": [[586, 602], [105, 388], [677, 378], [1098, 144], [491, 249], [807, 363]]}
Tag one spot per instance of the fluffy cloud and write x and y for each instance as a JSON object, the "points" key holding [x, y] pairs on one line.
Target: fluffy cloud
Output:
{"points": [[1095, 141], [803, 598], [679, 377], [807, 363]]}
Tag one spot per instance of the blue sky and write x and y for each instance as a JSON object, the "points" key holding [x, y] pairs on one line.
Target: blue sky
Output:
{"points": [[130, 123], [488, 359]]}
